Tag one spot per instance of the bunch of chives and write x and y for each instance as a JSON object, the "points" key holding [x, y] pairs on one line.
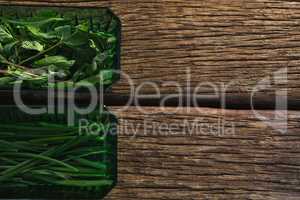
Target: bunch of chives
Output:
{"points": [[48, 154]]}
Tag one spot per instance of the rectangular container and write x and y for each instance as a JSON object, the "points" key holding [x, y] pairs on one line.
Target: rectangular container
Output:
{"points": [[99, 19], [12, 115]]}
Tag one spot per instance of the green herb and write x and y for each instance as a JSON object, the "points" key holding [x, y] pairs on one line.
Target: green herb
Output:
{"points": [[46, 153], [46, 45]]}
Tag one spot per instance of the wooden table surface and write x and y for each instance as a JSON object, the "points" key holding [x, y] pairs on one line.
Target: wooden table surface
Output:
{"points": [[231, 43]]}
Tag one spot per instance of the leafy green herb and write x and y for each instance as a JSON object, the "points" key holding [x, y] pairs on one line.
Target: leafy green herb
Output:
{"points": [[5, 35], [52, 43], [32, 45], [58, 61]]}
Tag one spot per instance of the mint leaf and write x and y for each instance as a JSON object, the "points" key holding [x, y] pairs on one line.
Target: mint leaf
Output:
{"points": [[58, 61], [38, 33], [32, 45], [63, 32], [8, 48], [5, 35], [83, 26], [106, 76], [77, 39]]}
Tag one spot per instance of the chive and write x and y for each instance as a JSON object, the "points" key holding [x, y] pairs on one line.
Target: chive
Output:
{"points": [[20, 180], [8, 160], [84, 150], [85, 183], [40, 157], [16, 185], [44, 178], [89, 163], [86, 155], [5, 166], [29, 163], [7, 134], [12, 145], [81, 170], [94, 175], [48, 172], [52, 139], [34, 147]]}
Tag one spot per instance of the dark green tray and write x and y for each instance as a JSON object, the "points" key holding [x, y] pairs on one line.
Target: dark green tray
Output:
{"points": [[100, 19], [12, 114]]}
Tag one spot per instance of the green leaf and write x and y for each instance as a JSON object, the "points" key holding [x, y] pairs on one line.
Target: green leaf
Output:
{"points": [[106, 76], [77, 39], [63, 32], [107, 37], [37, 32], [19, 73], [5, 35], [32, 45], [9, 48], [83, 26], [58, 61]]}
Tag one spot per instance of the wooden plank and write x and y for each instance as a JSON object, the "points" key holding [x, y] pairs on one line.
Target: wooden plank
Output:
{"points": [[230, 42], [161, 157]]}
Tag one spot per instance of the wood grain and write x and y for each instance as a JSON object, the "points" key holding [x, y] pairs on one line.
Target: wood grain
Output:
{"points": [[239, 42], [161, 157], [229, 42]]}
